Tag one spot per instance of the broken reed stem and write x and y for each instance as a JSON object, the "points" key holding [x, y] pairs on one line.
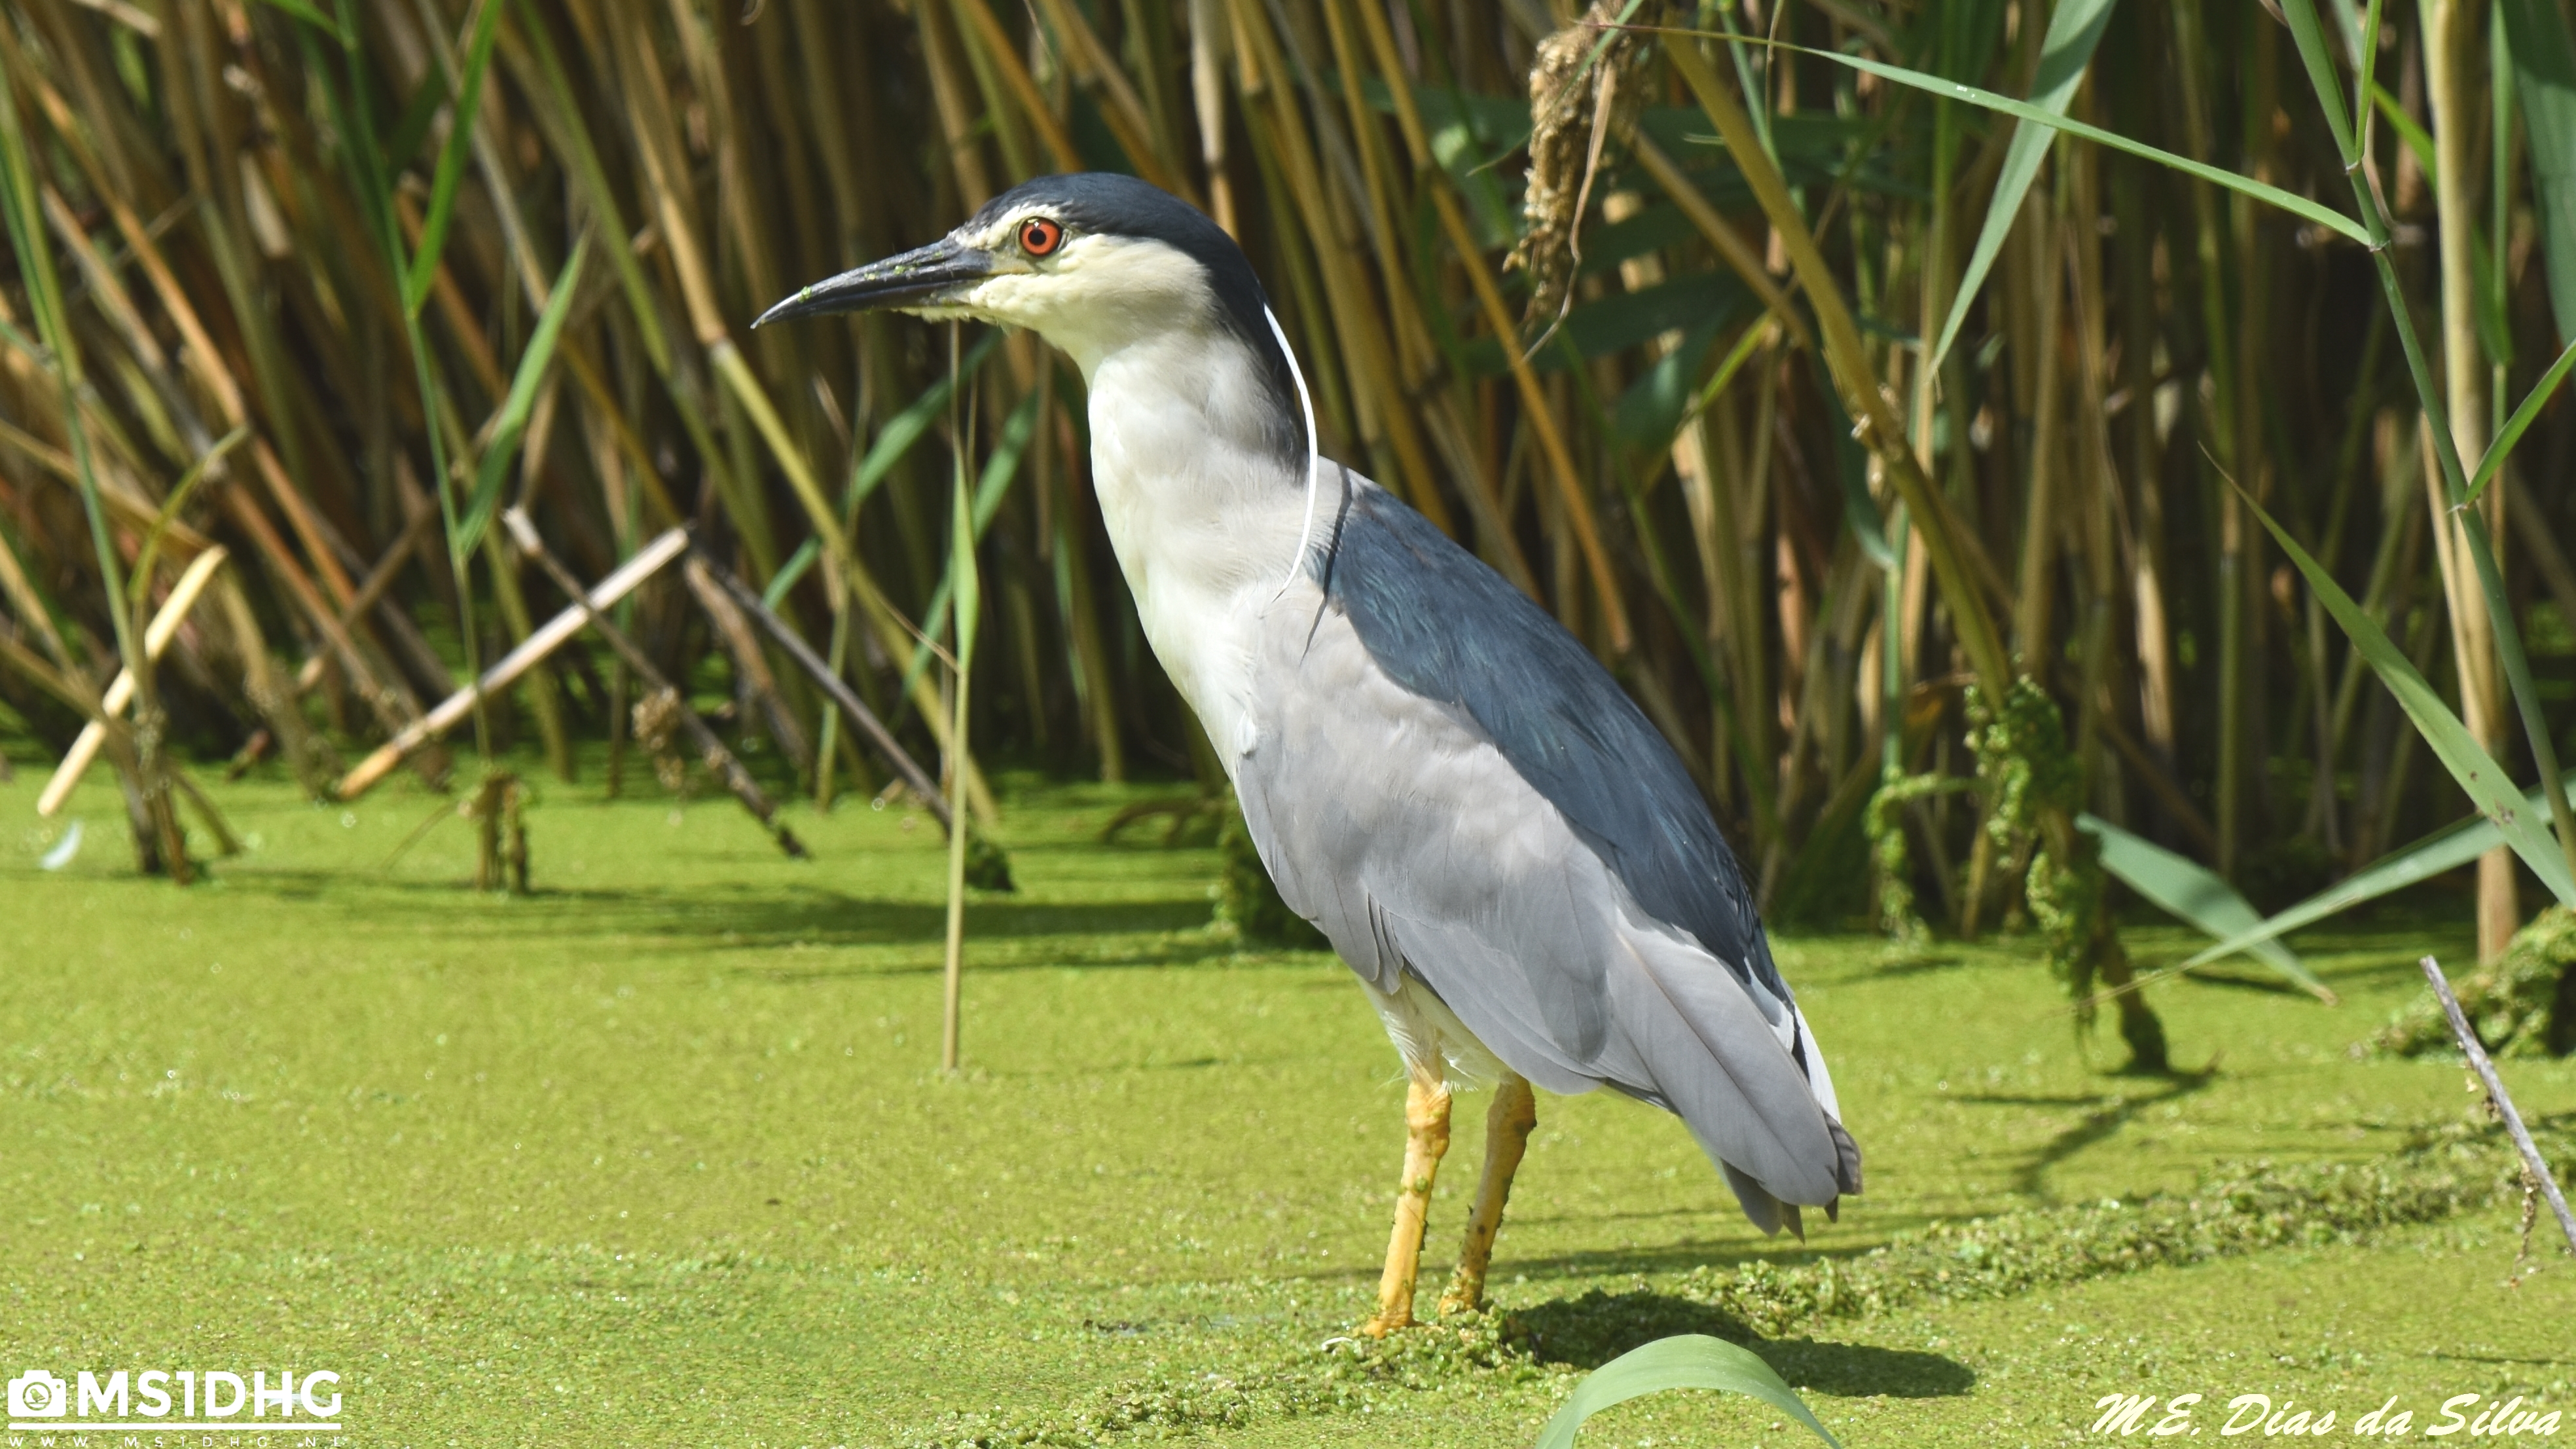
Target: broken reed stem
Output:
{"points": [[2497, 1097], [120, 691], [541, 643], [711, 751]]}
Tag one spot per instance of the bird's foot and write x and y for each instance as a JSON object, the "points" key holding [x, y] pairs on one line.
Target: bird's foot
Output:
{"points": [[1464, 1296], [1386, 1323]]}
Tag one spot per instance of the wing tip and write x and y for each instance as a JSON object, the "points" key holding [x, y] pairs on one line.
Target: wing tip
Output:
{"points": [[1769, 1212], [1846, 1159]]}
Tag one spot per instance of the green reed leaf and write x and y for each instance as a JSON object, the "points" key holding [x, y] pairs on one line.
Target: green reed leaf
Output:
{"points": [[2448, 848], [2479, 775], [2188, 890], [2022, 110], [451, 159], [2521, 421], [1684, 1361], [2544, 71], [494, 466], [2073, 32]]}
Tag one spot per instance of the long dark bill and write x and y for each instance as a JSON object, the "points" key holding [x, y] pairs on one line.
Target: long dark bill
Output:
{"points": [[913, 279]]}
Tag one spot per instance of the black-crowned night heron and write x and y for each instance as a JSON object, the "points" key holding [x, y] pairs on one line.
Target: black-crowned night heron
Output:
{"points": [[1436, 773]]}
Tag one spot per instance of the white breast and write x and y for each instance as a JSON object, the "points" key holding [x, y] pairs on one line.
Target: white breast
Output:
{"points": [[1205, 520]]}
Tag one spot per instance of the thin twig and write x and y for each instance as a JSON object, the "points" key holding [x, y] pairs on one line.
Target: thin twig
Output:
{"points": [[832, 684], [2478, 1062], [751, 670]]}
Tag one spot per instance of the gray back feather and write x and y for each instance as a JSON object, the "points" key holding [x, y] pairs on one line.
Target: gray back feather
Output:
{"points": [[1447, 627]]}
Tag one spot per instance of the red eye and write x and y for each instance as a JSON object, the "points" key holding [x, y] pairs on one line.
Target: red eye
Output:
{"points": [[1039, 236]]}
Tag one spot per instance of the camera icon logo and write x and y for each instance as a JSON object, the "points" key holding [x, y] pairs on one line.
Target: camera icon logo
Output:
{"points": [[37, 1394]]}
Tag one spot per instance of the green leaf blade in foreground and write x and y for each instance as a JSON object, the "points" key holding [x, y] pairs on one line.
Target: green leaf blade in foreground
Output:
{"points": [[513, 421], [2022, 110], [2073, 32], [2190, 891], [1685, 1361], [2487, 788], [2479, 775], [965, 532], [451, 160], [2521, 421], [2448, 848]]}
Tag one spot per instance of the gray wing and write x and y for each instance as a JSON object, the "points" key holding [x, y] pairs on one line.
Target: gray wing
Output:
{"points": [[1400, 823]]}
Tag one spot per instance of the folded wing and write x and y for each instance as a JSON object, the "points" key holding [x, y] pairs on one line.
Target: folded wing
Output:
{"points": [[1450, 787]]}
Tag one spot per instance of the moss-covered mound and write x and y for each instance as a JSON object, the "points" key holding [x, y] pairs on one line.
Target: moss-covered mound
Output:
{"points": [[2522, 1006]]}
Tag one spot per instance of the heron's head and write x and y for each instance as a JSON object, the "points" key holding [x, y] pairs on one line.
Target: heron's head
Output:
{"points": [[1096, 263], [1089, 261]]}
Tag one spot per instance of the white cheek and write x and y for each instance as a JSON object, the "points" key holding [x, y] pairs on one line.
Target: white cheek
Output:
{"points": [[1013, 297]]}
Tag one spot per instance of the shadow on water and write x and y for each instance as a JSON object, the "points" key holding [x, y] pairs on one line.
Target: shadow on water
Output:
{"points": [[1589, 1331], [1694, 1252], [711, 917], [1918, 963], [2111, 1113], [2236, 981]]}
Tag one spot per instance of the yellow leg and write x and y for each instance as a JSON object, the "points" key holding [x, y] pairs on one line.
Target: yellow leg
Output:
{"points": [[1426, 1122], [1507, 1129]]}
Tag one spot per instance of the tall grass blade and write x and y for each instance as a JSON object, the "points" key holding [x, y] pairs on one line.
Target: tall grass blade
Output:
{"points": [[451, 158], [2544, 70], [1684, 1361], [511, 423], [2024, 111], [2479, 775], [2507, 631], [26, 228], [2448, 848], [970, 598], [2520, 423], [2365, 45], [2072, 34], [2190, 891], [2418, 141], [304, 11]]}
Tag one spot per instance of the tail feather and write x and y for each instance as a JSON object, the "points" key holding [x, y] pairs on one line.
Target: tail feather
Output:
{"points": [[1751, 1083], [1712, 1055]]}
